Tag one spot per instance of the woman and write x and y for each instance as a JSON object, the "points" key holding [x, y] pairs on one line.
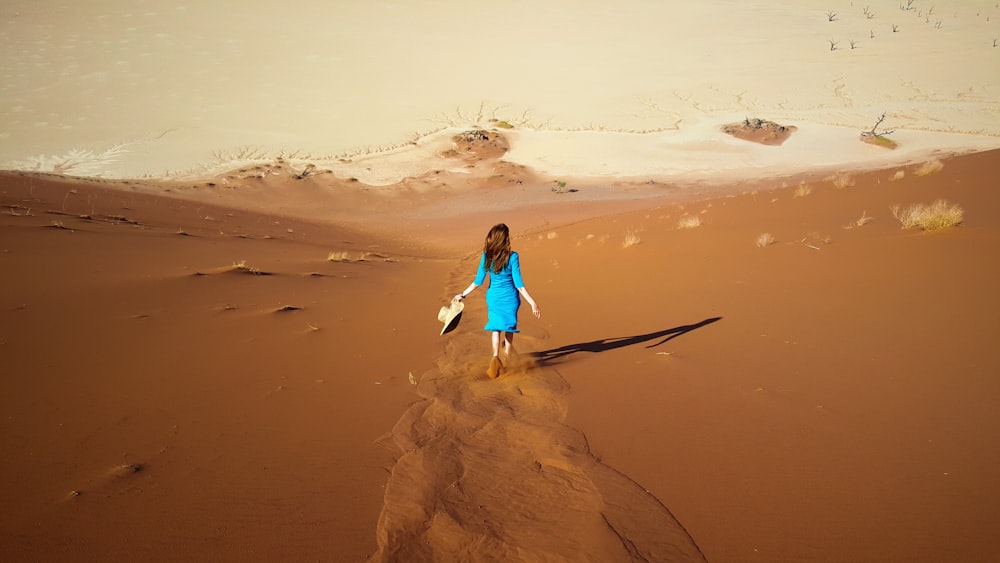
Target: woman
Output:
{"points": [[503, 298]]}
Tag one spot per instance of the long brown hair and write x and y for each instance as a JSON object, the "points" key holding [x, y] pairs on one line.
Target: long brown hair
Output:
{"points": [[497, 247]]}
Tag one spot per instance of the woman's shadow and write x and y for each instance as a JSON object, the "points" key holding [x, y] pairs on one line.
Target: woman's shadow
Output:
{"points": [[596, 346]]}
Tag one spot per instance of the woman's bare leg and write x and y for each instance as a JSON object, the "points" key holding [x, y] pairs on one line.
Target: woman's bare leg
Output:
{"points": [[494, 369], [496, 342], [508, 345]]}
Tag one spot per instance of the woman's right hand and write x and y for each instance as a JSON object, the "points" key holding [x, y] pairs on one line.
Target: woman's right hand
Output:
{"points": [[457, 298]]}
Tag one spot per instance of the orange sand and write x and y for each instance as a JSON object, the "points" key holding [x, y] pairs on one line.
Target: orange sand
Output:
{"points": [[829, 397]]}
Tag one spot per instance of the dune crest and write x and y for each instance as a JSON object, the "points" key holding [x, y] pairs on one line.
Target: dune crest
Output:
{"points": [[489, 470]]}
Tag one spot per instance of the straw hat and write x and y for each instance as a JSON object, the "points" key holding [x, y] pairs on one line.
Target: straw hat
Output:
{"points": [[450, 315]]}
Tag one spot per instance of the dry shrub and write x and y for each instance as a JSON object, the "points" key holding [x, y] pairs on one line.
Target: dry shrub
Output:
{"points": [[929, 217], [899, 175], [343, 256], [764, 239], [631, 238], [841, 180], [861, 221], [929, 167], [689, 222], [802, 191], [243, 267]]}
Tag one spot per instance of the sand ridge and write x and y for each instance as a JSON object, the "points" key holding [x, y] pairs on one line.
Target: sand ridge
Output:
{"points": [[489, 471]]}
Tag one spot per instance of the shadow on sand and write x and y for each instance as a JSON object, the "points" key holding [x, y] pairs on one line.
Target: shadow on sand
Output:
{"points": [[603, 345]]}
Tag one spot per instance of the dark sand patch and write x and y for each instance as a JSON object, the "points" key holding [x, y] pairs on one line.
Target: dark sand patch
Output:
{"points": [[759, 131]]}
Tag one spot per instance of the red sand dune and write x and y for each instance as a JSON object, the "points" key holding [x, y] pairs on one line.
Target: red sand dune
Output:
{"points": [[829, 397]]}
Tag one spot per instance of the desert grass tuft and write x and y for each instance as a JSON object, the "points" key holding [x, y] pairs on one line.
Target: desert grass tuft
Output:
{"points": [[362, 257], [841, 180], [930, 217], [631, 238], [802, 191], [860, 221], [243, 268], [764, 239], [689, 222], [929, 167]]}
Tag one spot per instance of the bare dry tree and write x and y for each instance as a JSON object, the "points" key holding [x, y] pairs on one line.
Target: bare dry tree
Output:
{"points": [[833, 44], [895, 28], [869, 13], [831, 16], [873, 132], [854, 44], [908, 6], [871, 34]]}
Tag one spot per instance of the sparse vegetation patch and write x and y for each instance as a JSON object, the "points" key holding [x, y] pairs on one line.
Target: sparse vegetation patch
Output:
{"points": [[929, 167], [631, 238], [841, 180], [860, 221], [689, 222], [930, 217]]}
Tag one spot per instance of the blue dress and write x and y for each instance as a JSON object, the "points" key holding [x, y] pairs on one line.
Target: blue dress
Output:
{"points": [[502, 297]]}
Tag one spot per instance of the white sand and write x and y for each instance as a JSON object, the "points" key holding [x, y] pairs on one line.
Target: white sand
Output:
{"points": [[126, 89]]}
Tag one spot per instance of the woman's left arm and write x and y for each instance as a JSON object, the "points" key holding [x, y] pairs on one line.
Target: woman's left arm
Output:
{"points": [[527, 297], [515, 272]]}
